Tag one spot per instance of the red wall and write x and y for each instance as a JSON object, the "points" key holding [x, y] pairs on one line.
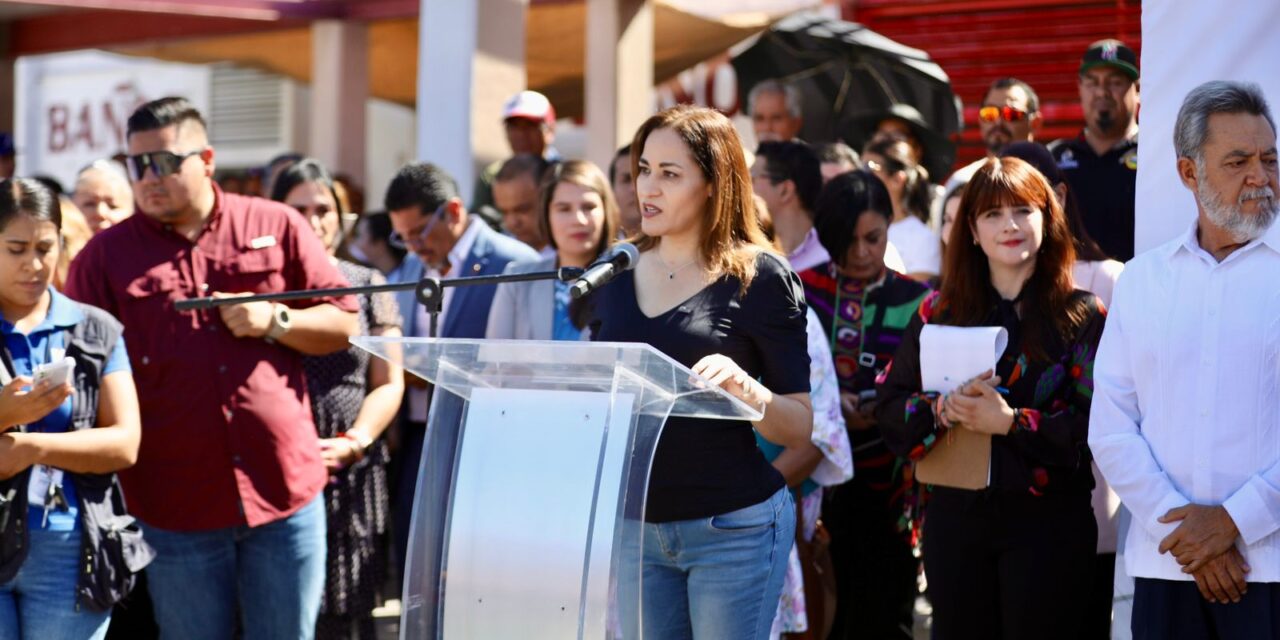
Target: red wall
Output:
{"points": [[977, 41]]}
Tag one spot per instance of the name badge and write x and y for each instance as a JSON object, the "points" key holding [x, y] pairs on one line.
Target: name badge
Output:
{"points": [[42, 478], [262, 242]]}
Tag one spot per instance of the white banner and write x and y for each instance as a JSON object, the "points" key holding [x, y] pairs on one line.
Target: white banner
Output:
{"points": [[1186, 43], [72, 108]]}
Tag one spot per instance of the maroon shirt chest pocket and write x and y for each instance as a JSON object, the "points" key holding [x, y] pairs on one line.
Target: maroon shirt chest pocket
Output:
{"points": [[254, 271], [157, 284]]}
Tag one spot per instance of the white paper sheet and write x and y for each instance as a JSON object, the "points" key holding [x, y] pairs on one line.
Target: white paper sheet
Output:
{"points": [[949, 356]]}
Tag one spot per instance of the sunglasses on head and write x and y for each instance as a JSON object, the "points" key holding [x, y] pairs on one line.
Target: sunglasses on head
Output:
{"points": [[161, 163], [1008, 114]]}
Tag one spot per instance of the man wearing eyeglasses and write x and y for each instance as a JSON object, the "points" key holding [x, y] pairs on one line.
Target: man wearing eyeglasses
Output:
{"points": [[1010, 113], [1101, 164], [228, 479], [444, 241]]}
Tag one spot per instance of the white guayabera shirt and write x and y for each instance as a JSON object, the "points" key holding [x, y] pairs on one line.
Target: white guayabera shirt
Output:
{"points": [[1186, 404]]}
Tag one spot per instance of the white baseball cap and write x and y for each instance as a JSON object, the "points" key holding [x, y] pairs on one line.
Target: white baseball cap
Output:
{"points": [[529, 105]]}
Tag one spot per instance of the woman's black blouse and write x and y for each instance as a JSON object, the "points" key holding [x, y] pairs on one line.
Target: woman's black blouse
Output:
{"points": [[705, 467]]}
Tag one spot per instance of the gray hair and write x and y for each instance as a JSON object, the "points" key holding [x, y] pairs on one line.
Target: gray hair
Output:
{"points": [[838, 152], [787, 91], [1217, 96], [110, 168]]}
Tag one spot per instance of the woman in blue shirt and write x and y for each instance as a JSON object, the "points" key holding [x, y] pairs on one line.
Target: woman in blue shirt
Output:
{"points": [[59, 501], [576, 210]]}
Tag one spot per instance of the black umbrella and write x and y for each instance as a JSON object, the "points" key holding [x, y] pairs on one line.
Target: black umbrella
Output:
{"points": [[850, 78]]}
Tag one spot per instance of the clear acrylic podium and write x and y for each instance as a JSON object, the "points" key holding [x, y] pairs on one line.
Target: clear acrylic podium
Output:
{"points": [[531, 488]]}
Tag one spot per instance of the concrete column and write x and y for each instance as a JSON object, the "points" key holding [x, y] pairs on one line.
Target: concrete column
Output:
{"points": [[339, 90], [467, 67], [619, 73]]}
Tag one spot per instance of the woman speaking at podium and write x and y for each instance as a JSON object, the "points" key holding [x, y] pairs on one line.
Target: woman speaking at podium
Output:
{"points": [[708, 291]]}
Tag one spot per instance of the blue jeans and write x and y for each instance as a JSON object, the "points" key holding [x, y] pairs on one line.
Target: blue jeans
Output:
{"points": [[40, 601], [273, 574], [717, 577]]}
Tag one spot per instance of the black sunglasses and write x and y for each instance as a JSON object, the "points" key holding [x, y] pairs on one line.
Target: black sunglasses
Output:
{"points": [[162, 163]]}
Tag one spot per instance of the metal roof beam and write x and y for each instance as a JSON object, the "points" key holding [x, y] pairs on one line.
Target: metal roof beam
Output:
{"points": [[261, 10]]}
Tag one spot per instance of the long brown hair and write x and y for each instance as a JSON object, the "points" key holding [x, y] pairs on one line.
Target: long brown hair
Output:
{"points": [[587, 175], [731, 235], [1047, 309]]}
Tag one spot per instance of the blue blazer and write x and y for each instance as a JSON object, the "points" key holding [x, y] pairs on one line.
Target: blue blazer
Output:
{"points": [[468, 306]]}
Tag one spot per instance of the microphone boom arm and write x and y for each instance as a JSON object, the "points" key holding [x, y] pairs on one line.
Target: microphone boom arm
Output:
{"points": [[429, 290]]}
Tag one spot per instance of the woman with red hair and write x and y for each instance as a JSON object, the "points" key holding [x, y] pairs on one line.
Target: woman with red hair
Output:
{"points": [[1013, 560]]}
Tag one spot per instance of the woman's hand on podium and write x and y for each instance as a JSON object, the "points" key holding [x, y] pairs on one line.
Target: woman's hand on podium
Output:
{"points": [[723, 372], [785, 420]]}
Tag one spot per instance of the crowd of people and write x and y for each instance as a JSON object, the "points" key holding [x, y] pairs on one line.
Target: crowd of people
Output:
{"points": [[269, 466]]}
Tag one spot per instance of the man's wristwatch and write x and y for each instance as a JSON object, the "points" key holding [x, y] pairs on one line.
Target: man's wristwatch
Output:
{"points": [[280, 321]]}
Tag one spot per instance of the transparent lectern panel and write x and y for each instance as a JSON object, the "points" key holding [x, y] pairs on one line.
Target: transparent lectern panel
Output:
{"points": [[529, 511], [569, 366]]}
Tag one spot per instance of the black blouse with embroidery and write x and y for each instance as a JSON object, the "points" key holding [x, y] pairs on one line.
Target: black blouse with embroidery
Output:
{"points": [[1046, 452]]}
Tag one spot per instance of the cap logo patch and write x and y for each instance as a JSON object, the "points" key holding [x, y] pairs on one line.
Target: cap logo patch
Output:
{"points": [[1130, 160]]}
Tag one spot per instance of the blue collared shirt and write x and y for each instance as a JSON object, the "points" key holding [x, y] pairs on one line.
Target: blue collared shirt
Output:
{"points": [[562, 327], [45, 343]]}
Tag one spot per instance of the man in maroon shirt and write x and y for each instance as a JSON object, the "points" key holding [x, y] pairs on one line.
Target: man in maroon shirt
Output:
{"points": [[229, 473]]}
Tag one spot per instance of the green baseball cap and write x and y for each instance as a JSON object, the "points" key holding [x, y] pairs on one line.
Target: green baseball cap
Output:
{"points": [[1113, 53]]}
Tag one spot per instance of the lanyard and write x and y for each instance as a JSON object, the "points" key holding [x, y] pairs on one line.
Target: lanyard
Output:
{"points": [[44, 487], [7, 369]]}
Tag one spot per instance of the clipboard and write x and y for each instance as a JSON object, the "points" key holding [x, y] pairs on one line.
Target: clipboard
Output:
{"points": [[960, 459]]}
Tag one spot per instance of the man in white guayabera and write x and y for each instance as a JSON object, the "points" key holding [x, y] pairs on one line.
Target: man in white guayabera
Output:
{"points": [[1185, 424]]}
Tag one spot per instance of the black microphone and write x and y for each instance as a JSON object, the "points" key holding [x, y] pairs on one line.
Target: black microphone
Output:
{"points": [[620, 257]]}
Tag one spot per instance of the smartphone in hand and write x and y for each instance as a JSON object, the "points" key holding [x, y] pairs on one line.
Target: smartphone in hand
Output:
{"points": [[57, 373]]}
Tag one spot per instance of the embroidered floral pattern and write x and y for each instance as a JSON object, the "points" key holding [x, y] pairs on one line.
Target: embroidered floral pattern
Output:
{"points": [[864, 323], [1019, 366], [1026, 420], [922, 403], [1080, 368], [929, 306], [1042, 452], [1048, 383]]}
